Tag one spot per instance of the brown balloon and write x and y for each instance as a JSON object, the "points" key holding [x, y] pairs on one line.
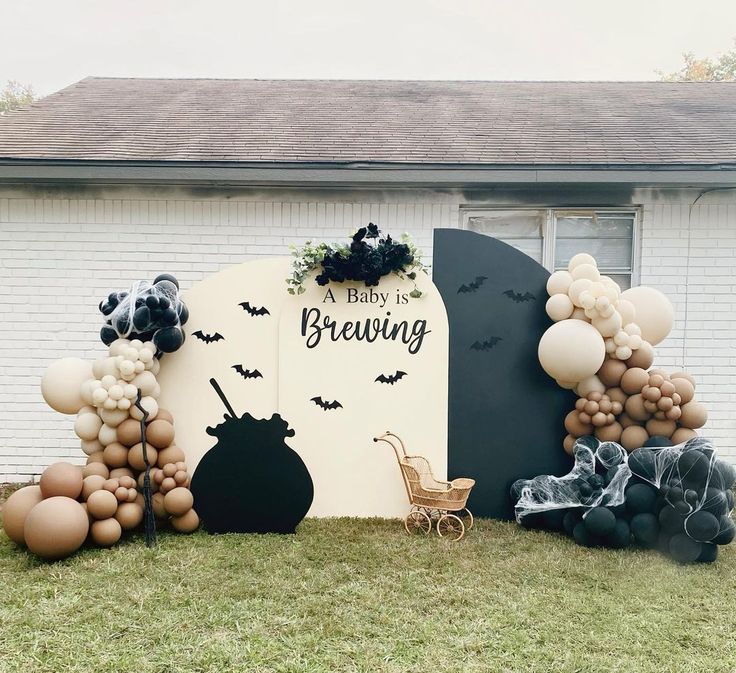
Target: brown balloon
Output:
{"points": [[16, 509], [106, 532], [617, 395], [681, 435], [573, 425], [634, 437], [121, 472], [157, 502], [102, 504], [129, 515], [173, 454], [160, 433], [129, 432], [568, 444], [56, 527], [164, 415], [611, 372], [659, 428], [609, 433], [96, 468], [96, 457], [684, 389], [135, 456], [91, 484], [187, 523], [62, 479], [635, 408], [115, 455], [694, 415], [683, 375], [626, 420], [642, 357], [178, 501], [634, 380]]}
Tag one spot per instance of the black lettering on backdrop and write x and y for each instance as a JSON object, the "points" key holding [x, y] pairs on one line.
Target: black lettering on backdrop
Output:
{"points": [[368, 330]]}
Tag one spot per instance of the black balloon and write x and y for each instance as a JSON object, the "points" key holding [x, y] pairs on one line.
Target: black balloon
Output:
{"points": [[142, 317], [640, 498], [600, 521], [553, 518], [645, 529], [671, 521], [168, 339], [727, 531], [166, 276], [708, 554], [657, 441], [684, 549], [582, 535], [108, 335], [571, 519], [620, 536], [702, 526]]}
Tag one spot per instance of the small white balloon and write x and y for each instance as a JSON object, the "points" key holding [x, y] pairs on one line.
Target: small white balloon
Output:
{"points": [[145, 356], [127, 369], [587, 300], [146, 381], [107, 435], [576, 288], [623, 352], [588, 271], [137, 344], [607, 312], [621, 338], [108, 381], [113, 417], [139, 366], [115, 391], [109, 403], [610, 346], [130, 391], [99, 396], [635, 342], [91, 446], [124, 404], [149, 404], [130, 354], [87, 426], [117, 346], [608, 326], [632, 328], [579, 314]]}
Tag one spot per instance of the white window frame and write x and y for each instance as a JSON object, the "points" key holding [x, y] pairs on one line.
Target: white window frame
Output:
{"points": [[549, 228]]}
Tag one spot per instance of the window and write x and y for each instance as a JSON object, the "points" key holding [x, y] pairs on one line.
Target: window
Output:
{"points": [[552, 236]]}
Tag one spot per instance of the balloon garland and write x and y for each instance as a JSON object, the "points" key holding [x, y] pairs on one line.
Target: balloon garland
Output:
{"points": [[601, 347], [676, 499], [134, 471]]}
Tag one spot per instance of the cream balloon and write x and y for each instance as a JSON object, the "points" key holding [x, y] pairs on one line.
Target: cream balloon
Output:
{"points": [[627, 311], [571, 350], [581, 258], [608, 326], [61, 385], [559, 283], [576, 288], [559, 307], [654, 312], [589, 271], [590, 385]]}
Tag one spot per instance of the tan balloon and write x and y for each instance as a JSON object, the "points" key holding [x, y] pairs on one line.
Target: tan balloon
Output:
{"points": [[87, 426], [187, 523], [634, 380], [694, 415], [96, 468], [16, 509], [106, 532], [608, 326], [114, 417], [575, 426], [656, 427], [681, 435], [609, 433], [642, 357], [617, 395], [129, 515], [164, 415], [129, 432], [90, 484], [611, 372], [559, 282], [172, 454], [115, 455], [654, 312], [56, 527], [559, 307], [683, 375], [635, 408], [590, 385], [102, 504], [61, 384], [160, 433], [121, 472], [684, 389], [634, 437], [178, 501], [62, 479], [135, 456], [571, 350], [157, 502], [627, 311], [568, 444]]}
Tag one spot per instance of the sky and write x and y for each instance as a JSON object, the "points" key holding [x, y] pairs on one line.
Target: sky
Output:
{"points": [[50, 44]]}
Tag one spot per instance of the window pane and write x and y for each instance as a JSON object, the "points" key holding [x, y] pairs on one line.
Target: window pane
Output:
{"points": [[612, 254], [602, 226], [522, 229], [623, 279]]}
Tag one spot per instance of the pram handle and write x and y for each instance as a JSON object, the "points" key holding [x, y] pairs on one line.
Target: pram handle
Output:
{"points": [[386, 437]]}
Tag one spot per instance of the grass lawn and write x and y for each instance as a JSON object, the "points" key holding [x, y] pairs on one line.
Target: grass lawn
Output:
{"points": [[360, 595]]}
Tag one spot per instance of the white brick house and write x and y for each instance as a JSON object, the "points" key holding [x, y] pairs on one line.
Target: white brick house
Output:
{"points": [[111, 181]]}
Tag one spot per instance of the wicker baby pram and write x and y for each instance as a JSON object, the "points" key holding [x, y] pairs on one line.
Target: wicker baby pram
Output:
{"points": [[434, 502]]}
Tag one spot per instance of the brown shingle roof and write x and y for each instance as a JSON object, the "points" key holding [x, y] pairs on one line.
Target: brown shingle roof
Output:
{"points": [[489, 123]]}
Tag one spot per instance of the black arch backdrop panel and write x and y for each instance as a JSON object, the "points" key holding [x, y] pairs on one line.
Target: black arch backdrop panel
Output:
{"points": [[505, 414]]}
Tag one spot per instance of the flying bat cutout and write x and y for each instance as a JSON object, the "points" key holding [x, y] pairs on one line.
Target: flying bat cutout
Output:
{"points": [[327, 406], [252, 310], [247, 373], [391, 378], [486, 344], [518, 297], [474, 286], [208, 338]]}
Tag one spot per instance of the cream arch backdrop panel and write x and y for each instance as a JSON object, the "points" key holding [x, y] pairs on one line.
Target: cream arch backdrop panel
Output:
{"points": [[237, 313], [392, 377]]}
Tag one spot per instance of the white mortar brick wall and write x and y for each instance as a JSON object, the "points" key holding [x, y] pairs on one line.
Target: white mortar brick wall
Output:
{"points": [[61, 252]]}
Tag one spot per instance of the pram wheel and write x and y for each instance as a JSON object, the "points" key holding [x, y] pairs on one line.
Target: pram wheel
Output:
{"points": [[451, 527], [417, 522], [467, 518]]}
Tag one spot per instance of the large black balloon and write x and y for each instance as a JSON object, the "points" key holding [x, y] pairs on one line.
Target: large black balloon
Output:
{"points": [[640, 498], [108, 334], [702, 526], [168, 339], [657, 441], [715, 501], [168, 277], [620, 536], [684, 549], [645, 529], [727, 531], [708, 554], [582, 535], [693, 467], [600, 521], [495, 297], [570, 520], [553, 518], [251, 481]]}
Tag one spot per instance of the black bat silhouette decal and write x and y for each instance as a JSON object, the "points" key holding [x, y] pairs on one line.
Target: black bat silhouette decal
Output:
{"points": [[208, 338], [486, 344], [472, 287], [518, 297], [391, 378], [326, 405], [252, 310], [247, 373]]}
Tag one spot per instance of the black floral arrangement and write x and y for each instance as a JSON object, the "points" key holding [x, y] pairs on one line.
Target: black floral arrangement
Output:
{"points": [[368, 257]]}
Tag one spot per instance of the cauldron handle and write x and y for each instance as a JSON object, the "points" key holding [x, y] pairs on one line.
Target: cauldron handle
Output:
{"points": [[218, 390]]}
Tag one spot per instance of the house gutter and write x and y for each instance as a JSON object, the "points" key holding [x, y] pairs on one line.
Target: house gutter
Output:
{"points": [[23, 171]]}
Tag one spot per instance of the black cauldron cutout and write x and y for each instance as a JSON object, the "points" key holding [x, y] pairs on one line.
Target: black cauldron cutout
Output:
{"points": [[251, 481]]}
